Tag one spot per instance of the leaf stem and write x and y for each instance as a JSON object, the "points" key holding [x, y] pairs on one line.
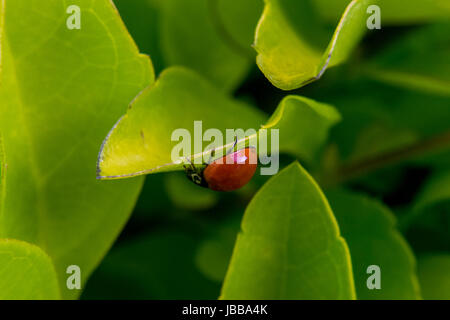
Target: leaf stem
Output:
{"points": [[353, 170]]}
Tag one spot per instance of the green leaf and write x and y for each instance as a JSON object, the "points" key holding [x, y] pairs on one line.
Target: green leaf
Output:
{"points": [[214, 253], [304, 125], [393, 12], [139, 144], [377, 139], [196, 35], [436, 191], [239, 21], [369, 228], [289, 246], [3, 166], [186, 195], [417, 62], [434, 276], [212, 258], [141, 141], [427, 220], [26, 272], [286, 54], [159, 265], [153, 200], [432, 201], [362, 119], [61, 92]]}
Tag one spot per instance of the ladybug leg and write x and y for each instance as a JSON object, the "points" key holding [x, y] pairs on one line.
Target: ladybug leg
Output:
{"points": [[213, 151], [234, 145], [211, 155], [192, 173], [191, 165]]}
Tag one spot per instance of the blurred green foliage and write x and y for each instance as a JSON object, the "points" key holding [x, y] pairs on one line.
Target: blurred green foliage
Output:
{"points": [[372, 136]]}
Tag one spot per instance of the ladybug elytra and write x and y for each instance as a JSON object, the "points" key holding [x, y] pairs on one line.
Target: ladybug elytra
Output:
{"points": [[231, 172]]}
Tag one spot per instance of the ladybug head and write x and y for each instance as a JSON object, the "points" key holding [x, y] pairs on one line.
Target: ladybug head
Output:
{"points": [[195, 175]]}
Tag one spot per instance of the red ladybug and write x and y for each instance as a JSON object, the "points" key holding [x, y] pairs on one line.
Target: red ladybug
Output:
{"points": [[228, 173]]}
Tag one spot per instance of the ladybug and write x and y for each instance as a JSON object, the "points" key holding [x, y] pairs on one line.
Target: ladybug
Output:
{"points": [[231, 172]]}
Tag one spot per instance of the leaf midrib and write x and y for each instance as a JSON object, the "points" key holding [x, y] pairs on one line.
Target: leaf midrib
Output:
{"points": [[32, 160]]}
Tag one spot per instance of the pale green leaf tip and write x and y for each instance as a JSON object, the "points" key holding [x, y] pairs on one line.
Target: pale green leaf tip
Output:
{"points": [[105, 144], [100, 157], [100, 166], [294, 81]]}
